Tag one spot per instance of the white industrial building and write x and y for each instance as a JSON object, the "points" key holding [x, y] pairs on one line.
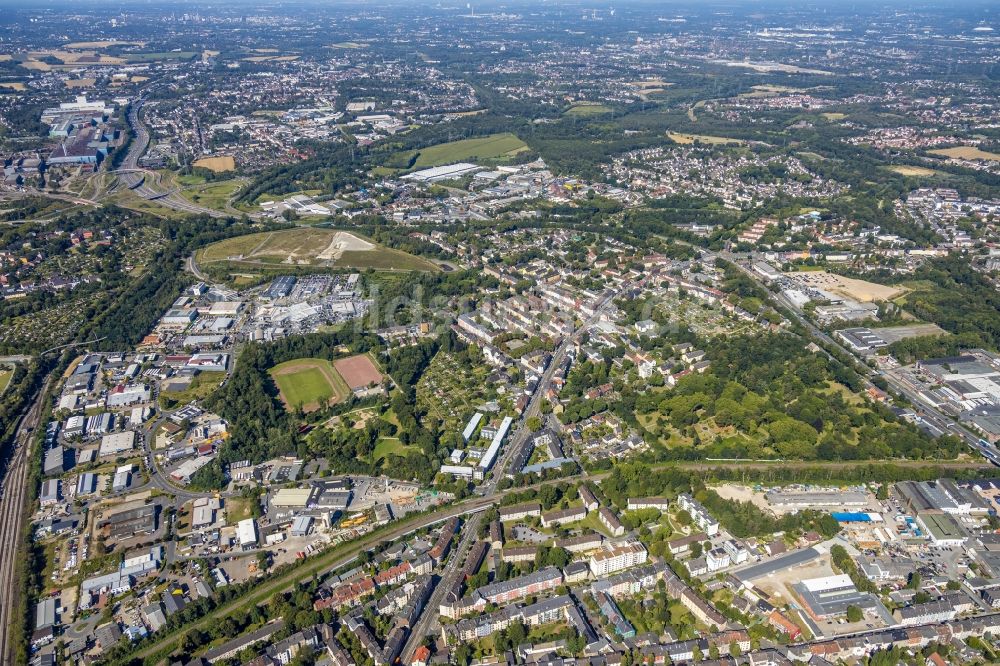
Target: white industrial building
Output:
{"points": [[246, 534], [116, 443]]}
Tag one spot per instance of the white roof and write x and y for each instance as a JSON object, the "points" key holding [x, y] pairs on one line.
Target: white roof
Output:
{"points": [[117, 442], [828, 583], [246, 531]]}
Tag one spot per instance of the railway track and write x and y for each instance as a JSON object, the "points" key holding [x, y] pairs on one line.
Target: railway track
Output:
{"points": [[12, 516]]}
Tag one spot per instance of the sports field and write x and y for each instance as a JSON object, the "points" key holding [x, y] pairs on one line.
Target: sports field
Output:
{"points": [[304, 246], [308, 383], [495, 147], [358, 371]]}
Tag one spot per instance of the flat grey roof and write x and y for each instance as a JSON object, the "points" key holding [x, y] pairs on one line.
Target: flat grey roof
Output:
{"points": [[792, 559]]}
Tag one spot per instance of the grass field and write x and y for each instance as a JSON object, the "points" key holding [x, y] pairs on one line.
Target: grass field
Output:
{"points": [[309, 383], [202, 386], [217, 164], [688, 139], [214, 195], [131, 200], [906, 170], [966, 153], [833, 117], [238, 508], [587, 109], [392, 445], [305, 246], [5, 375], [495, 147]]}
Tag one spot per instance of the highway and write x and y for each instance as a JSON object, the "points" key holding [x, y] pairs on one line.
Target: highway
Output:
{"points": [[138, 180]]}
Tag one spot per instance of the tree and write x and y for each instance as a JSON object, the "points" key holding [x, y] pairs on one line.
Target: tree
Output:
{"points": [[854, 614], [534, 423]]}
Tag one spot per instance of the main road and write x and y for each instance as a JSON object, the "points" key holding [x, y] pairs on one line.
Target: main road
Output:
{"points": [[453, 569]]}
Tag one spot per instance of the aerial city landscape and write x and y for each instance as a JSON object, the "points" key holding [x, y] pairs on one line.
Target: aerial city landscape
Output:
{"points": [[492, 333]]}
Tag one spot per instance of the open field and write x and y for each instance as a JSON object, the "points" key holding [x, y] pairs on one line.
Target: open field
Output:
{"points": [[271, 58], [831, 116], [966, 153], [168, 55], [80, 83], [202, 386], [392, 445], [310, 247], [13, 85], [213, 195], [308, 383], [217, 164], [493, 147], [896, 333], [687, 139], [907, 170], [358, 371], [5, 375], [859, 290], [237, 509], [587, 109], [100, 45], [348, 45], [777, 89]]}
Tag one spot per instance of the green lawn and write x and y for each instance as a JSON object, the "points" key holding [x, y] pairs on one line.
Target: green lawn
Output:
{"points": [[383, 258], [214, 196], [494, 147], [392, 445], [5, 375]]}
